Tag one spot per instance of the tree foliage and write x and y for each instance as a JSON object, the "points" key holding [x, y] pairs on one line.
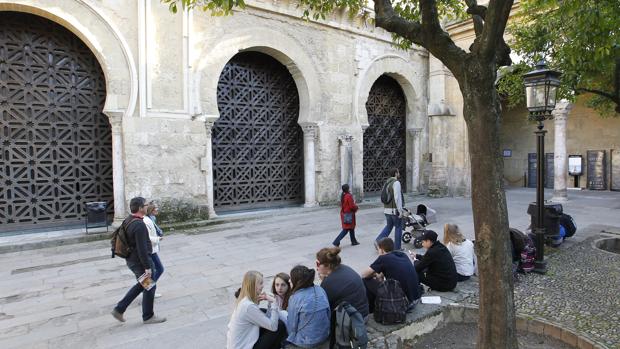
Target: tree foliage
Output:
{"points": [[579, 38]]}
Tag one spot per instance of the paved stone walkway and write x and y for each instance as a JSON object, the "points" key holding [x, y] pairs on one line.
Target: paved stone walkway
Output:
{"points": [[60, 297]]}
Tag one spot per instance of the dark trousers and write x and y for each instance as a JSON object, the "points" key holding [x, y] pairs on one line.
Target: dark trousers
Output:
{"points": [[460, 277], [148, 297], [435, 283], [158, 268], [269, 339], [372, 285], [342, 234]]}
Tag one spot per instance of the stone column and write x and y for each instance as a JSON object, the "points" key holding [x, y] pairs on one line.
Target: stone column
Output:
{"points": [[207, 167], [560, 158], [118, 166], [309, 165], [416, 138], [346, 160]]}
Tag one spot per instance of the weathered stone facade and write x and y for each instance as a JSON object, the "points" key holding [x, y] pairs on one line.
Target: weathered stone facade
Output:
{"points": [[162, 73]]}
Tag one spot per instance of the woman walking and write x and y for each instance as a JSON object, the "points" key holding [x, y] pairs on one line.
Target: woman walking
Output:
{"points": [[347, 216]]}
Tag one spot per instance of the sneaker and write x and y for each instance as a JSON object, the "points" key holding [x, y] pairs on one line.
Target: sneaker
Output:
{"points": [[118, 315], [157, 295], [355, 243], [336, 245], [154, 320]]}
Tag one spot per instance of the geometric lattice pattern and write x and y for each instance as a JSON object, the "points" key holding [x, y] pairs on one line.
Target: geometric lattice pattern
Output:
{"points": [[56, 145], [257, 143], [385, 138]]}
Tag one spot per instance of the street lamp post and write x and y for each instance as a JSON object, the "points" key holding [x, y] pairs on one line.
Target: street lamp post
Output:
{"points": [[540, 91]]}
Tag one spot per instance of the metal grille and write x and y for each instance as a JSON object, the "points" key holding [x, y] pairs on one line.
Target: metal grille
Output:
{"points": [[56, 149], [257, 143], [385, 138]]}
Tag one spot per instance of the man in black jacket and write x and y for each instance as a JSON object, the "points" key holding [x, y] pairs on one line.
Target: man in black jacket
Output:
{"points": [[436, 267], [139, 262]]}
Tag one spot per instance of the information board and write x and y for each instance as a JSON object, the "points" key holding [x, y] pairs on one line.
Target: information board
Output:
{"points": [[597, 170]]}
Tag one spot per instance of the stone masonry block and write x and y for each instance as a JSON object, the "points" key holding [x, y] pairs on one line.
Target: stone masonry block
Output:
{"points": [[553, 331], [536, 326], [583, 343], [569, 338]]}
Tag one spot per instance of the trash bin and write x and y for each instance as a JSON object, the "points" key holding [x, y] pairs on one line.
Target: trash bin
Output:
{"points": [[96, 215], [551, 218]]}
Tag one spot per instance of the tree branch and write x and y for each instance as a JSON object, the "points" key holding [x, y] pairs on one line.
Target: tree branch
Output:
{"points": [[496, 18], [386, 18], [597, 92], [478, 14]]}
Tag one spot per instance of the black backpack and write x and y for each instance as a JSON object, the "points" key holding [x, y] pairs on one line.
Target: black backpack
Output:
{"points": [[391, 303], [387, 195], [119, 243], [569, 225], [350, 329]]}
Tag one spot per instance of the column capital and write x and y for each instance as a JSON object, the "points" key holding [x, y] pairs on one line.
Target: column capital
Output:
{"points": [[415, 132], [209, 127], [562, 108], [116, 120], [310, 131], [345, 139]]}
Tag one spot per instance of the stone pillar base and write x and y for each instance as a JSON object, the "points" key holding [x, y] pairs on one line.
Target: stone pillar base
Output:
{"points": [[310, 204], [559, 199]]}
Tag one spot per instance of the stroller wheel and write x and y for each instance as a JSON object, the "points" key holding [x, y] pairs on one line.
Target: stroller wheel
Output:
{"points": [[406, 237], [417, 243]]}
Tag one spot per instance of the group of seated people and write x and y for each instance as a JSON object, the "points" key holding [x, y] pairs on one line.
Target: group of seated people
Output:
{"points": [[299, 313]]}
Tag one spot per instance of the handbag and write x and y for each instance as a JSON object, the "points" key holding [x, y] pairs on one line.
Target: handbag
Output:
{"points": [[347, 218]]}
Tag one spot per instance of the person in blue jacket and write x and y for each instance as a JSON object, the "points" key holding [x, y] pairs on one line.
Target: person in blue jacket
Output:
{"points": [[308, 318]]}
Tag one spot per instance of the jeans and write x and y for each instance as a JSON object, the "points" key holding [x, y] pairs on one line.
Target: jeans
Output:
{"points": [[393, 221], [342, 234], [158, 268], [147, 296]]}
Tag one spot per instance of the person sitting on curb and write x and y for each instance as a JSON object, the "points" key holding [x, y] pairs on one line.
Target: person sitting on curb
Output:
{"points": [[462, 251], [436, 267], [340, 282], [281, 288], [249, 327], [308, 318], [391, 265]]}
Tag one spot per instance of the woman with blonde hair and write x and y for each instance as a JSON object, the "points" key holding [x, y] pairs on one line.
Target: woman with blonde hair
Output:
{"points": [[249, 327], [155, 235], [462, 251]]}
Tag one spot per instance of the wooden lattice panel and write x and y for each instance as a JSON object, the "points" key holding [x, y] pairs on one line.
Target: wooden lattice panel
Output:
{"points": [[257, 143], [385, 138], [56, 145]]}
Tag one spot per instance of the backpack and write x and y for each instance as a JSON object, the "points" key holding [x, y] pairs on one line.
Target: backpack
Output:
{"points": [[528, 256], [350, 330], [391, 303], [569, 224], [517, 239], [387, 196], [119, 243]]}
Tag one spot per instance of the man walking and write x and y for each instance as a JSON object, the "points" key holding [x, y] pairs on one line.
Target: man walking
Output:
{"points": [[139, 262], [392, 209]]}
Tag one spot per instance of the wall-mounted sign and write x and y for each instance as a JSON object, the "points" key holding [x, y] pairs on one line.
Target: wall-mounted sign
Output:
{"points": [[575, 165], [597, 170], [507, 153]]}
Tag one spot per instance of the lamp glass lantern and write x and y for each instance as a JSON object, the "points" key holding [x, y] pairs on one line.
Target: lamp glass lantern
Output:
{"points": [[541, 86]]}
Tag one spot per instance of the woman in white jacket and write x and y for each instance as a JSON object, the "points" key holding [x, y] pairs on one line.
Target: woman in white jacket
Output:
{"points": [[249, 326], [462, 251], [155, 237]]}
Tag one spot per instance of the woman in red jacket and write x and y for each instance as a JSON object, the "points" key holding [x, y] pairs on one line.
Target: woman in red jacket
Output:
{"points": [[347, 216]]}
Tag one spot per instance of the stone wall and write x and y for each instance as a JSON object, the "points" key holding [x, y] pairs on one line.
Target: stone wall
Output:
{"points": [[586, 130]]}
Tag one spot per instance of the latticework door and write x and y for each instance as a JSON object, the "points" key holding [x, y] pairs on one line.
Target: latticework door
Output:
{"points": [[56, 145], [257, 143], [385, 138]]}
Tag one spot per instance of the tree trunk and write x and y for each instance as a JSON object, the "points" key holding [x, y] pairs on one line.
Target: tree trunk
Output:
{"points": [[497, 325]]}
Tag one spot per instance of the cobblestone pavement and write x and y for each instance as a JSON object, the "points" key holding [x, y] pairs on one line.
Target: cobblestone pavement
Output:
{"points": [[60, 297], [579, 291]]}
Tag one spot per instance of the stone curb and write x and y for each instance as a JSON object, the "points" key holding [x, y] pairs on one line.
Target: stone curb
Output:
{"points": [[457, 313]]}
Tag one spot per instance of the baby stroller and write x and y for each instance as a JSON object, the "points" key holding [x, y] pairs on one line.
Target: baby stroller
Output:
{"points": [[417, 223]]}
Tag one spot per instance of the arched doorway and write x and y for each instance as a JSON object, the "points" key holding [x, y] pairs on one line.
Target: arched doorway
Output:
{"points": [[257, 143], [385, 137], [56, 142]]}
